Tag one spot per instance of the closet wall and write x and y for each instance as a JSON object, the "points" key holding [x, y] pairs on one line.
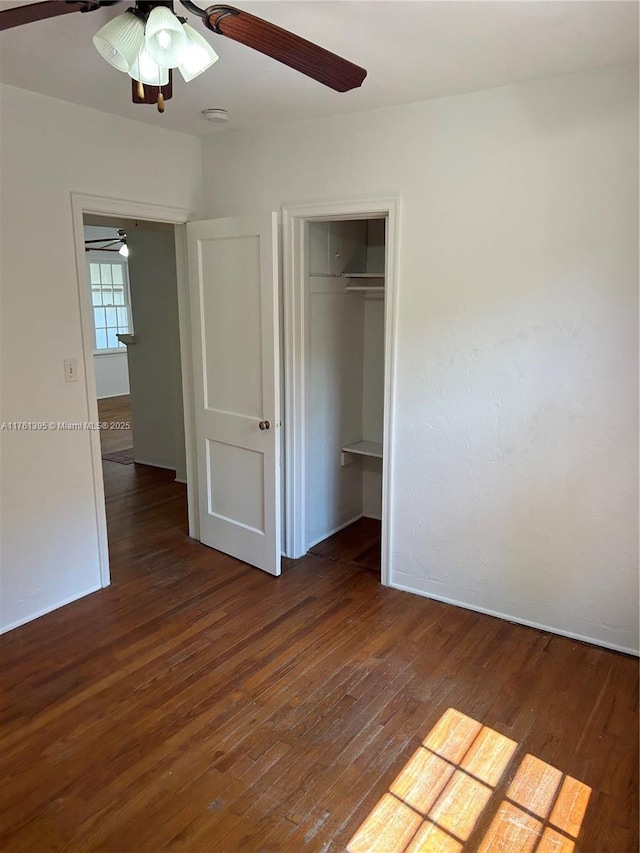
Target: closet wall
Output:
{"points": [[373, 373], [372, 403], [345, 376]]}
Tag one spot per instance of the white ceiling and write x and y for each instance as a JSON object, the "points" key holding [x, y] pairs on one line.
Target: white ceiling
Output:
{"points": [[413, 50]]}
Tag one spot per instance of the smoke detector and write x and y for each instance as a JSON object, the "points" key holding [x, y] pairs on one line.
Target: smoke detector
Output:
{"points": [[216, 115]]}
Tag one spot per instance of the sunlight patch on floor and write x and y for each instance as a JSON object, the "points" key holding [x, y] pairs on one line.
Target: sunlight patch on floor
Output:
{"points": [[436, 801]]}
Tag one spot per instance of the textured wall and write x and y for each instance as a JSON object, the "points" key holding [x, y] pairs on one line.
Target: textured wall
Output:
{"points": [[516, 442]]}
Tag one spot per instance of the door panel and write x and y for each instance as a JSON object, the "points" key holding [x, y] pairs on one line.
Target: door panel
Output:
{"points": [[232, 331], [234, 286], [228, 466]]}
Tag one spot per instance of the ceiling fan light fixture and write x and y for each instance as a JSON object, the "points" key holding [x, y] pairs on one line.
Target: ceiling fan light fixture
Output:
{"points": [[124, 249], [169, 44], [120, 40], [198, 56], [165, 40], [147, 71]]}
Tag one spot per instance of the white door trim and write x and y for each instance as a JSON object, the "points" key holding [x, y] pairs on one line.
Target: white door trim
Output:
{"points": [[295, 218], [102, 205]]}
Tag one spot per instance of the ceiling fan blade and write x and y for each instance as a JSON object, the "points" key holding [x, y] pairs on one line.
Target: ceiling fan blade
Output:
{"points": [[20, 15], [285, 47]]}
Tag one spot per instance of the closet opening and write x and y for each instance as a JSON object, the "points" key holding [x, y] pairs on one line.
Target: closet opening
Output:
{"points": [[340, 274], [339, 298], [345, 290]]}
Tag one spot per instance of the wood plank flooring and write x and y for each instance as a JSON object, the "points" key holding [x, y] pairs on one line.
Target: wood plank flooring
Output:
{"points": [[115, 411], [359, 544], [200, 705]]}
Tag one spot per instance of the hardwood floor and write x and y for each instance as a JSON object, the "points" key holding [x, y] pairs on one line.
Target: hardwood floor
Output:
{"points": [[200, 705], [115, 411], [359, 544]]}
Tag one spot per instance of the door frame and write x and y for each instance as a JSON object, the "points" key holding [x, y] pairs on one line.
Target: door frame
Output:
{"points": [[294, 227], [113, 207]]}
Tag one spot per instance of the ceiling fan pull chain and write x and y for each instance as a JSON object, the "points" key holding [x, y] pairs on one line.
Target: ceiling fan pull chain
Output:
{"points": [[160, 102]]}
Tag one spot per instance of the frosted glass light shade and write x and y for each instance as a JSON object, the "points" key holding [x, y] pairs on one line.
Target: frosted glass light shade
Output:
{"points": [[165, 40], [198, 56], [120, 40], [147, 71]]}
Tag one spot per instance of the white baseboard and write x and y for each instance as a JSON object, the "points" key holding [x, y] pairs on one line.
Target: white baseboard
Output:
{"points": [[505, 616], [335, 530], [44, 611], [181, 476], [154, 464]]}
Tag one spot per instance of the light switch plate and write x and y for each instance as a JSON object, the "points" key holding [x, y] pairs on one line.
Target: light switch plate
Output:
{"points": [[70, 370]]}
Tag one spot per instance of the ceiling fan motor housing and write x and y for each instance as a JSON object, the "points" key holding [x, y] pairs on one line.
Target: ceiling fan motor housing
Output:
{"points": [[92, 5], [145, 6]]}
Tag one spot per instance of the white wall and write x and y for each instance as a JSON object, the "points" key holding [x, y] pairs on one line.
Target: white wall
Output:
{"points": [[48, 149], [373, 374], [373, 401], [516, 451], [373, 370], [112, 374]]}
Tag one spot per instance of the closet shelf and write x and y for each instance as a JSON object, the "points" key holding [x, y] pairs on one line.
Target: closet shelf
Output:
{"points": [[363, 275], [365, 448], [367, 283]]}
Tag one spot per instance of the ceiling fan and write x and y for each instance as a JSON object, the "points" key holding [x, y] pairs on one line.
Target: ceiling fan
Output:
{"points": [[148, 41]]}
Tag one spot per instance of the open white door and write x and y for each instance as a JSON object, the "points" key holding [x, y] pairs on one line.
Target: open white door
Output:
{"points": [[234, 304]]}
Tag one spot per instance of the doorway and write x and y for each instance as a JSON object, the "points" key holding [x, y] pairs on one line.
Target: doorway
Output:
{"points": [[344, 295], [137, 342], [107, 276], [340, 297], [160, 397]]}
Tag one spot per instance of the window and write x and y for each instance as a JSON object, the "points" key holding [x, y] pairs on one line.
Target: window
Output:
{"points": [[111, 303]]}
